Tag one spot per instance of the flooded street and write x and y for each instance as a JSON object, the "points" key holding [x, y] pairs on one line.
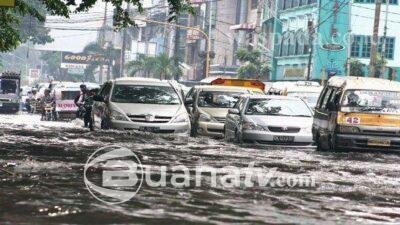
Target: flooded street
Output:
{"points": [[42, 164]]}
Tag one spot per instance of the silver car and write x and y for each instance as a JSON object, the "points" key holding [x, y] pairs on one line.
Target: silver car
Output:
{"points": [[269, 120], [142, 104]]}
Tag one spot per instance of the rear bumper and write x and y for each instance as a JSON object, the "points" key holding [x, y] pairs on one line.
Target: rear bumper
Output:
{"points": [[211, 129], [161, 128], [9, 107], [267, 137], [361, 142]]}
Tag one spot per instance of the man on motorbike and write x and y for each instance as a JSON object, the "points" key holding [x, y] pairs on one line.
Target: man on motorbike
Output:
{"points": [[48, 100], [31, 101]]}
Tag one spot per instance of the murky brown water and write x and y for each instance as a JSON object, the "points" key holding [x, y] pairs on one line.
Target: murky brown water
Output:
{"points": [[41, 181]]}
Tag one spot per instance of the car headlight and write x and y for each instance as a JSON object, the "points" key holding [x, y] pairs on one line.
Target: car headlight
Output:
{"points": [[348, 129], [206, 118], [115, 115], [249, 125], [181, 118]]}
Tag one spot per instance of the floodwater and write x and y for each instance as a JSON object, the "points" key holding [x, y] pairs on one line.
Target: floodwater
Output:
{"points": [[42, 164]]}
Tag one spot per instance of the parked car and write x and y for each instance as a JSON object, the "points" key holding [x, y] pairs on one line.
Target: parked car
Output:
{"points": [[10, 92], [142, 104], [309, 91], [270, 119], [208, 106], [358, 113]]}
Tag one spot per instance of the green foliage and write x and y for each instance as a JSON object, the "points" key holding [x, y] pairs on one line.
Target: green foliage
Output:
{"points": [[356, 68], [161, 66], [252, 65], [53, 62], [12, 23], [94, 48]]}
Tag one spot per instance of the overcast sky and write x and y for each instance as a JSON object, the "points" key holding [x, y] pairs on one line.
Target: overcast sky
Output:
{"points": [[75, 40]]}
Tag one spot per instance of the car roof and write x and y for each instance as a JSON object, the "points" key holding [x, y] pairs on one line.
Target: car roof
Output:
{"points": [[223, 88], [364, 83], [141, 81], [281, 97]]}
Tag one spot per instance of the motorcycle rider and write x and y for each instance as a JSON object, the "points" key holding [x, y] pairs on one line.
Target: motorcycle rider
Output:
{"points": [[47, 99], [32, 101]]}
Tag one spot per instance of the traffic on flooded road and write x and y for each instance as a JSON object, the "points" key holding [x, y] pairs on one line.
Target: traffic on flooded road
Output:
{"points": [[199, 112]]}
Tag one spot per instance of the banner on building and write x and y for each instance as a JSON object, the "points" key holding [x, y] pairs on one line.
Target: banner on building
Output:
{"points": [[34, 73], [7, 3], [82, 58], [294, 72]]}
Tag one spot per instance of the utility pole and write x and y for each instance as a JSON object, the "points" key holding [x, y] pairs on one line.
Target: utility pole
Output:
{"points": [[311, 31], [176, 48], [383, 53], [348, 65], [374, 44], [102, 40], [123, 48]]}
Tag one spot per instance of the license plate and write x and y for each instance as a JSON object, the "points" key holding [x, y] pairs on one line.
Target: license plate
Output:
{"points": [[379, 142], [283, 138], [149, 129]]}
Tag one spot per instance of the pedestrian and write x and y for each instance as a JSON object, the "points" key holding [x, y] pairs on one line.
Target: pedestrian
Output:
{"points": [[79, 99], [88, 106]]}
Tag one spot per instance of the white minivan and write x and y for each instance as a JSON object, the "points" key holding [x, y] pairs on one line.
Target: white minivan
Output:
{"points": [[142, 104]]}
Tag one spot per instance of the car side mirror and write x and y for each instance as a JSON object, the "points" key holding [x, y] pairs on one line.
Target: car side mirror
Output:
{"points": [[188, 101], [234, 111]]}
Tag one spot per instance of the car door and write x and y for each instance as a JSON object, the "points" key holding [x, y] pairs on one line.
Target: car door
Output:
{"points": [[322, 116], [233, 121], [101, 107]]}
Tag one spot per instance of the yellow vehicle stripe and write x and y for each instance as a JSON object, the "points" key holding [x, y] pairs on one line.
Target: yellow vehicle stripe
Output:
{"points": [[368, 119]]}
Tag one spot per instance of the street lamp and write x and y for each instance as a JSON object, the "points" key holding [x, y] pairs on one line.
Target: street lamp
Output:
{"points": [[207, 38]]}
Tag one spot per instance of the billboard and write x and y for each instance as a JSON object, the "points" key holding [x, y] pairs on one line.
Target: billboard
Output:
{"points": [[34, 73], [81, 60], [7, 3]]}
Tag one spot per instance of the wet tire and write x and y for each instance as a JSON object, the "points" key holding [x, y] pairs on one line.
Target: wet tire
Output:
{"points": [[105, 124]]}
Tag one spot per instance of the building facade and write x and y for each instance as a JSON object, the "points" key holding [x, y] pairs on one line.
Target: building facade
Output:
{"points": [[324, 36]]}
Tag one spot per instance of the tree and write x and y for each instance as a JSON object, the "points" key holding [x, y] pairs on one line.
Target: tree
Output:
{"points": [[161, 66], [252, 65], [10, 18], [109, 52], [357, 68], [53, 63], [143, 64]]}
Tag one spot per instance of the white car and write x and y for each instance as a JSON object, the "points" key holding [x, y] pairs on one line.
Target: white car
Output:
{"points": [[142, 104], [270, 120]]}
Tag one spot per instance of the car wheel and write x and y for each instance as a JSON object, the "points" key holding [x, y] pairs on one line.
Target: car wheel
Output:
{"points": [[320, 146], [105, 124], [238, 137]]}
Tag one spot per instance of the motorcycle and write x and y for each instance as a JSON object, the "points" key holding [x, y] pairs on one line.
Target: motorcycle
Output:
{"points": [[48, 112]]}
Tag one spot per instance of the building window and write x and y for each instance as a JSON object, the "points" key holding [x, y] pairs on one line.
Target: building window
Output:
{"points": [[295, 3], [361, 46], [254, 4], [284, 44], [366, 47], [355, 46], [292, 43], [393, 2]]}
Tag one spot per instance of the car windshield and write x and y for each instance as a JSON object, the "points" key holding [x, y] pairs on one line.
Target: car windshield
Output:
{"points": [[143, 94], [371, 101], [310, 97], [8, 86], [278, 107], [218, 99]]}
